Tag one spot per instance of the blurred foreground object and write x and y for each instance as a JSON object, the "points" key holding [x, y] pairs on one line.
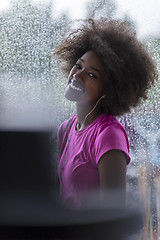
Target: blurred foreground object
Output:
{"points": [[29, 205]]}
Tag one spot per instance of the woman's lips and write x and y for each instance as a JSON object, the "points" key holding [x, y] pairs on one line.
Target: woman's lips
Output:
{"points": [[74, 90], [76, 85]]}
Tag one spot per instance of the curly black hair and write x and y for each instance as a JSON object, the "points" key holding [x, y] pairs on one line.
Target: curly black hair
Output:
{"points": [[129, 69]]}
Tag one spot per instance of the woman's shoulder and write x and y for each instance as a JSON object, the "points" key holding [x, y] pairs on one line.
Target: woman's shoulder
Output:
{"points": [[109, 125], [108, 121], [68, 121], [64, 128]]}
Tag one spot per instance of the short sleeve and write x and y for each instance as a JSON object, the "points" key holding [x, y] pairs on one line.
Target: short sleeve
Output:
{"points": [[113, 137], [60, 135], [63, 132]]}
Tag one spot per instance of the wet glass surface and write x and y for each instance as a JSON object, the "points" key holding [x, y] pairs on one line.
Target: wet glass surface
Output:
{"points": [[30, 79]]}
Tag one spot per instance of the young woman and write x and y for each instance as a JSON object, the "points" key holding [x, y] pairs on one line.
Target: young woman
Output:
{"points": [[109, 72]]}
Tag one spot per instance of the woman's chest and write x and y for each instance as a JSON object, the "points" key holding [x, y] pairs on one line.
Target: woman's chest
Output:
{"points": [[78, 155]]}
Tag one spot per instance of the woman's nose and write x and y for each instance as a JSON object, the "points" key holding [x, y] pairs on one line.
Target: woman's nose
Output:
{"points": [[79, 75]]}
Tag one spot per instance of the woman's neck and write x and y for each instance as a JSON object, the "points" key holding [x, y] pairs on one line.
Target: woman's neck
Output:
{"points": [[86, 114]]}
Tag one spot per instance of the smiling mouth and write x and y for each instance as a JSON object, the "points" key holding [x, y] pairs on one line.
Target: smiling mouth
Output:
{"points": [[76, 85]]}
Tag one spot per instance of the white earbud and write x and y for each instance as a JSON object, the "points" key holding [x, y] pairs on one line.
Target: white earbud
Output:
{"points": [[103, 96]]}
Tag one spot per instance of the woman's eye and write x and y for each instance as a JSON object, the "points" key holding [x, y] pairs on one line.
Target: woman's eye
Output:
{"points": [[92, 75], [77, 65]]}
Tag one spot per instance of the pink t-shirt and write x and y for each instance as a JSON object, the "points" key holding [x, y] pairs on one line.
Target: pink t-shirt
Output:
{"points": [[80, 152]]}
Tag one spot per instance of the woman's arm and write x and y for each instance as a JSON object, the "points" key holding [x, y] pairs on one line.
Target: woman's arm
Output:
{"points": [[112, 176]]}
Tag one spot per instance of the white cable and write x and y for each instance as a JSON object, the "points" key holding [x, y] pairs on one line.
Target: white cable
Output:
{"points": [[92, 110]]}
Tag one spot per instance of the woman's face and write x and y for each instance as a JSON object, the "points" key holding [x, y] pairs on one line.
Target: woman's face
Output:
{"points": [[85, 80]]}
